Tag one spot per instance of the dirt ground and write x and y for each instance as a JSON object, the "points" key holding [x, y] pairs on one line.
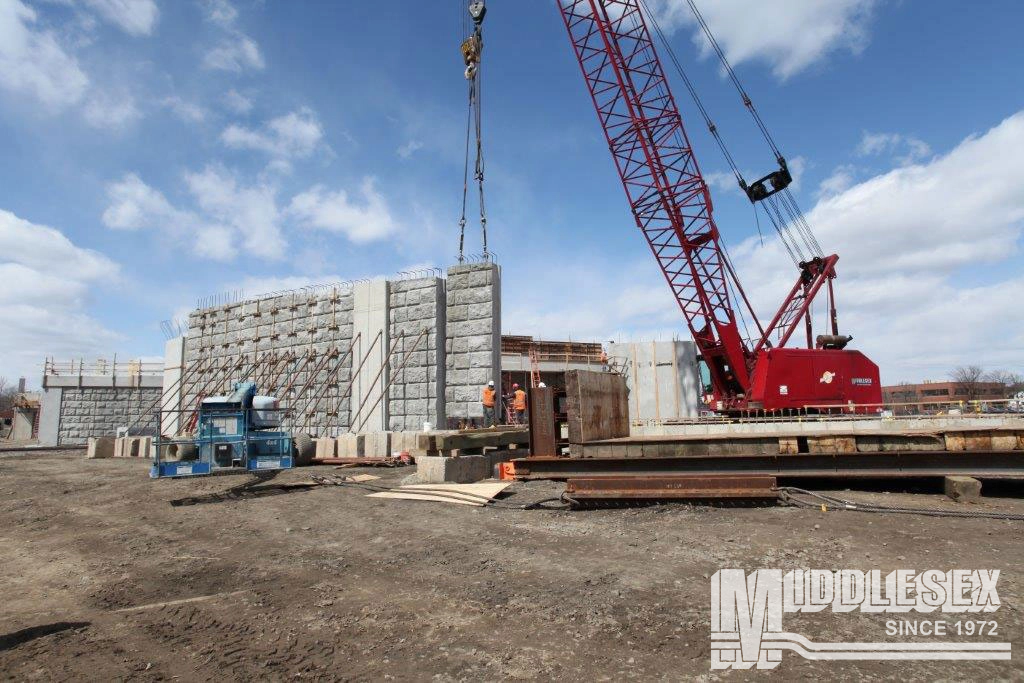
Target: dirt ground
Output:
{"points": [[328, 584]]}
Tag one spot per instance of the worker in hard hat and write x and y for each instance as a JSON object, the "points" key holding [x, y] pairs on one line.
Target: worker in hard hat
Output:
{"points": [[487, 399], [519, 404]]}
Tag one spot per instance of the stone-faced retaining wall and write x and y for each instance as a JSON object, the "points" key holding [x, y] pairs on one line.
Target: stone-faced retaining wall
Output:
{"points": [[99, 411], [448, 333], [299, 324], [417, 319], [473, 340]]}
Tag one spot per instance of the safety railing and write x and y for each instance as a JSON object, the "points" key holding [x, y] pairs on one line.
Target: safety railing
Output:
{"points": [[101, 367]]}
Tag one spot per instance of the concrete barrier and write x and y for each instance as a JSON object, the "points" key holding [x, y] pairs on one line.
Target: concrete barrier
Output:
{"points": [[351, 446], [378, 444], [100, 447], [326, 447]]}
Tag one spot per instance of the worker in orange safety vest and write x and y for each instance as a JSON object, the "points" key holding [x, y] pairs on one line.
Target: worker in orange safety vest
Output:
{"points": [[487, 399], [519, 404]]}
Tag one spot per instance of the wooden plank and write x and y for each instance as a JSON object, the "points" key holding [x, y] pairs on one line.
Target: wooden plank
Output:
{"points": [[598, 405]]}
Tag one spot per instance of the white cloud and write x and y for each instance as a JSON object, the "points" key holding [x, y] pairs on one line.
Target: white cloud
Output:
{"points": [[789, 36], [905, 149], [216, 242], [364, 221], [111, 111], [231, 218], [904, 237], [235, 53], [296, 134], [408, 149], [237, 102], [220, 12], [251, 211], [188, 112], [48, 284], [135, 17], [33, 62], [842, 179], [135, 205]]}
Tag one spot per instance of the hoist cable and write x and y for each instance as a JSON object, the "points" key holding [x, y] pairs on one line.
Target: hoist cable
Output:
{"points": [[788, 196], [465, 177], [782, 227], [788, 201], [748, 103], [472, 48], [478, 109], [712, 128]]}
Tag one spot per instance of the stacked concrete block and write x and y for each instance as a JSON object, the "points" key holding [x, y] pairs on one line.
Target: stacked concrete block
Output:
{"points": [[377, 444], [100, 447], [473, 340], [98, 411], [351, 446], [326, 447], [417, 329], [278, 334], [133, 447]]}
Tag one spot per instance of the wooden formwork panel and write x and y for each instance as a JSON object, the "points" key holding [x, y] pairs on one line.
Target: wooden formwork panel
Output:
{"points": [[597, 405]]}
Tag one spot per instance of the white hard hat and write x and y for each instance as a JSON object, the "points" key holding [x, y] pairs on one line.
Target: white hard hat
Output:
{"points": [[491, 383], [542, 386]]}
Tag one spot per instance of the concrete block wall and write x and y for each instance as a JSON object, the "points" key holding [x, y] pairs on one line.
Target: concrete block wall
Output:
{"points": [[663, 378], [450, 329], [98, 411], [417, 329], [473, 339], [298, 323]]}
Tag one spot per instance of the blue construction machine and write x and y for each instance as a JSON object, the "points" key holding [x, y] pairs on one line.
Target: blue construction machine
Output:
{"points": [[238, 432]]}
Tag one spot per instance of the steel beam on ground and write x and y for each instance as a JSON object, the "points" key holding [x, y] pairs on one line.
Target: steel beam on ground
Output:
{"points": [[853, 465], [672, 487]]}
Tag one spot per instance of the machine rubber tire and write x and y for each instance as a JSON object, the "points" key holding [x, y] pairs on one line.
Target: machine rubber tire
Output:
{"points": [[187, 452], [305, 449]]}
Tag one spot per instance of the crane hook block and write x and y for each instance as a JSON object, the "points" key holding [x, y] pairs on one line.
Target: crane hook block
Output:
{"points": [[765, 187], [478, 10], [471, 48]]}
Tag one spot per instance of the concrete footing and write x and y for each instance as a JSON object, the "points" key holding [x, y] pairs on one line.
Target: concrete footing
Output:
{"points": [[963, 489], [462, 469]]}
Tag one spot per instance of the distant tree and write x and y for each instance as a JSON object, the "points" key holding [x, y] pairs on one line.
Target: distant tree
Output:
{"points": [[966, 379], [7, 394], [1014, 382]]}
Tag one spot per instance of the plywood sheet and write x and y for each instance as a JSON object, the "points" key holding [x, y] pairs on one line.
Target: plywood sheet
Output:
{"points": [[461, 494]]}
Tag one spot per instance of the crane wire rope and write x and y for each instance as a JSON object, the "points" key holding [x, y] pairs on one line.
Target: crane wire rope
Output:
{"points": [[803, 228], [472, 48], [786, 234]]}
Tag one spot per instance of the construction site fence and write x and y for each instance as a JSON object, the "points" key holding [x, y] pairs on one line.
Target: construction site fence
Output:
{"points": [[992, 408], [102, 368]]}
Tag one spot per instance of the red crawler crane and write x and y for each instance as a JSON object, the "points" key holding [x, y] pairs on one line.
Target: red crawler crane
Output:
{"points": [[672, 207]]}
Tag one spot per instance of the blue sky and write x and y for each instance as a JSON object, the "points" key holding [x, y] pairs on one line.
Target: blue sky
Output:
{"points": [[157, 151]]}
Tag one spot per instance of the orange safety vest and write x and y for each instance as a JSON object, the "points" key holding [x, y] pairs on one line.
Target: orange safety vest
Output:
{"points": [[520, 401], [488, 397]]}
